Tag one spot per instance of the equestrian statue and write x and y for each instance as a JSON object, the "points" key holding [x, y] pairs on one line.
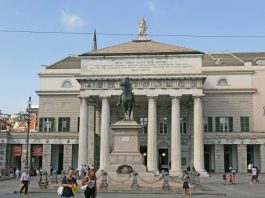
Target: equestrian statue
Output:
{"points": [[126, 98]]}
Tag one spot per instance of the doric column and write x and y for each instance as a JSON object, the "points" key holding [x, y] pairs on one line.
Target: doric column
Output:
{"points": [[67, 155], [152, 136], [262, 158], [242, 158], [105, 130], [83, 135], [198, 137], [219, 158], [97, 120], [175, 137], [91, 134], [47, 156], [24, 156]]}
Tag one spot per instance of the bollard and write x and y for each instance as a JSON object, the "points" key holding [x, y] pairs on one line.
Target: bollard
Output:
{"points": [[165, 185], [104, 182], [135, 185]]}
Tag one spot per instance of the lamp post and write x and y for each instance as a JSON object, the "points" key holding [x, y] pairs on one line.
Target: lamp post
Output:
{"points": [[28, 117]]}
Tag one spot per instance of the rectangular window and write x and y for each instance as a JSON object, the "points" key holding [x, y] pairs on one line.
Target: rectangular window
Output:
{"points": [[163, 126], [224, 124], [208, 124], [78, 124], [183, 127], [64, 124], [244, 122], [46, 124], [144, 124]]}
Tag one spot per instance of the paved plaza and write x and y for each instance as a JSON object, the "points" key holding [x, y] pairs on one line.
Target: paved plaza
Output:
{"points": [[211, 187]]}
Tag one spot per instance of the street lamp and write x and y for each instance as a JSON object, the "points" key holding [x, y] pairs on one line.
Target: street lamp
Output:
{"points": [[28, 117]]}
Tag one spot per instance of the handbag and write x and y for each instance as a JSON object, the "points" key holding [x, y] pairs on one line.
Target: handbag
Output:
{"points": [[60, 190]]}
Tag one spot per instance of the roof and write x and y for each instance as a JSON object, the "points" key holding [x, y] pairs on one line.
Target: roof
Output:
{"points": [[70, 62], [231, 58], [136, 47]]}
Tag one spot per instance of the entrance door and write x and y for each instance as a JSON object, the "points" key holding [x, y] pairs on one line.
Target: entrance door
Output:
{"points": [[163, 160], [227, 161]]}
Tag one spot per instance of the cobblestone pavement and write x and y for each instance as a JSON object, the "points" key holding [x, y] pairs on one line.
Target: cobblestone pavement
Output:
{"points": [[212, 187]]}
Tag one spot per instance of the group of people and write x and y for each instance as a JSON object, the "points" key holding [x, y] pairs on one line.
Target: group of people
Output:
{"points": [[89, 184], [85, 169]]}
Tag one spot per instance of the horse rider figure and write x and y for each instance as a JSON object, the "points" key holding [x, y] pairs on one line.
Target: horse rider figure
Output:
{"points": [[126, 98]]}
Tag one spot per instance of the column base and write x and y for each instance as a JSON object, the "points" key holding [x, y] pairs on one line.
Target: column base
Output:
{"points": [[174, 173], [203, 173], [156, 172]]}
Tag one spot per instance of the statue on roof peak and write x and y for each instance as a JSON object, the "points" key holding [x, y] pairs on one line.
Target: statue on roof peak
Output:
{"points": [[142, 29]]}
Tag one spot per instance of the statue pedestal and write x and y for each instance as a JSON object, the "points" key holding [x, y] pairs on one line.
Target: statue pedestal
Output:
{"points": [[126, 147]]}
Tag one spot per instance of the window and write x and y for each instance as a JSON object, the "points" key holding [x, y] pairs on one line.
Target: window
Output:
{"points": [[78, 124], [64, 125], [183, 127], [163, 126], [144, 124], [222, 82], [224, 124], [47, 125], [208, 124], [244, 122]]}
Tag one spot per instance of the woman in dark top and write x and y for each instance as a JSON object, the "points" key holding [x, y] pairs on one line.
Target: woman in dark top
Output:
{"points": [[91, 182], [68, 182]]}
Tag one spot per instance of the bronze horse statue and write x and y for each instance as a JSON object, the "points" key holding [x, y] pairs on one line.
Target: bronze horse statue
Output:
{"points": [[126, 98]]}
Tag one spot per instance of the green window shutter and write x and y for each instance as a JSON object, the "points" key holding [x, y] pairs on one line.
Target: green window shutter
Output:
{"points": [[210, 124], [247, 124], [67, 124], [41, 125], [230, 124], [78, 123], [52, 124], [60, 124], [242, 124], [217, 124]]}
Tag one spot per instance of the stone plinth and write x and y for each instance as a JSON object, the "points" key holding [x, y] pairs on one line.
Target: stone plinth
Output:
{"points": [[126, 147]]}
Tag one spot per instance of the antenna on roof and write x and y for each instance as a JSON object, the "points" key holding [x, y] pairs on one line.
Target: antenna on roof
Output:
{"points": [[94, 47]]}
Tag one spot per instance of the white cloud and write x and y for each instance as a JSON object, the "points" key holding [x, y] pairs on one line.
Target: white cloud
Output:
{"points": [[151, 4], [71, 21]]}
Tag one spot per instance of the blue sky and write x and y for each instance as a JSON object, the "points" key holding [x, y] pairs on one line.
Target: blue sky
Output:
{"points": [[23, 53]]}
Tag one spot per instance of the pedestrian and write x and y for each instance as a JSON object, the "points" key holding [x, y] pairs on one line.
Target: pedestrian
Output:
{"points": [[68, 183], [24, 181], [185, 179], [249, 169], [90, 181], [224, 178], [254, 174], [233, 176], [230, 169], [17, 173]]}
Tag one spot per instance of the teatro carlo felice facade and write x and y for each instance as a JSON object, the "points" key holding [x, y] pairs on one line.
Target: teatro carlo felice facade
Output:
{"points": [[196, 109]]}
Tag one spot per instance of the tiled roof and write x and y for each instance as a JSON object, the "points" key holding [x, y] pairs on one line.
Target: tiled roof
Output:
{"points": [[141, 47], [70, 62]]}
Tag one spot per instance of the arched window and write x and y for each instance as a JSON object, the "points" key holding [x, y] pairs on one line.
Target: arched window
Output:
{"points": [[67, 84], [222, 82]]}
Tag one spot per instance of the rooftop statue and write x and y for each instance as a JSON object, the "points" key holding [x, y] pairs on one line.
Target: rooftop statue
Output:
{"points": [[142, 29], [126, 98]]}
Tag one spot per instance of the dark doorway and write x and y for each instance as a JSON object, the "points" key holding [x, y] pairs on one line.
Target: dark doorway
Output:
{"points": [[143, 151], [60, 165], [163, 160]]}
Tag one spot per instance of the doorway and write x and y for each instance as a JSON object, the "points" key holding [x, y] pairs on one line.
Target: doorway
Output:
{"points": [[163, 160]]}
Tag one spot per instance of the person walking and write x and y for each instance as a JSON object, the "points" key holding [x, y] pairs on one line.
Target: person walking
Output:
{"points": [[68, 182], [17, 173], [24, 182], [90, 181], [185, 179], [254, 174], [249, 169]]}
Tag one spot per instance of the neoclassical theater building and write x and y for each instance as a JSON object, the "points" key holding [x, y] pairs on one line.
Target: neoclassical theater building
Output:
{"points": [[199, 109]]}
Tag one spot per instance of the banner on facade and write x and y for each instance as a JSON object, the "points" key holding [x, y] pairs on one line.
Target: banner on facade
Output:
{"points": [[36, 150], [17, 150]]}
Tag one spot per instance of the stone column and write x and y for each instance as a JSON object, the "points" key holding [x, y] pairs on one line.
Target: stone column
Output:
{"points": [[105, 130], [67, 155], [97, 121], [175, 137], [262, 158], [152, 162], [24, 156], [219, 158], [242, 158], [83, 135], [3, 159], [198, 137], [91, 134], [46, 158]]}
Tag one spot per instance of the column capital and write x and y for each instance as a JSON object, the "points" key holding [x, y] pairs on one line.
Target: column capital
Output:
{"points": [[103, 96], [198, 95], [152, 96], [175, 96]]}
